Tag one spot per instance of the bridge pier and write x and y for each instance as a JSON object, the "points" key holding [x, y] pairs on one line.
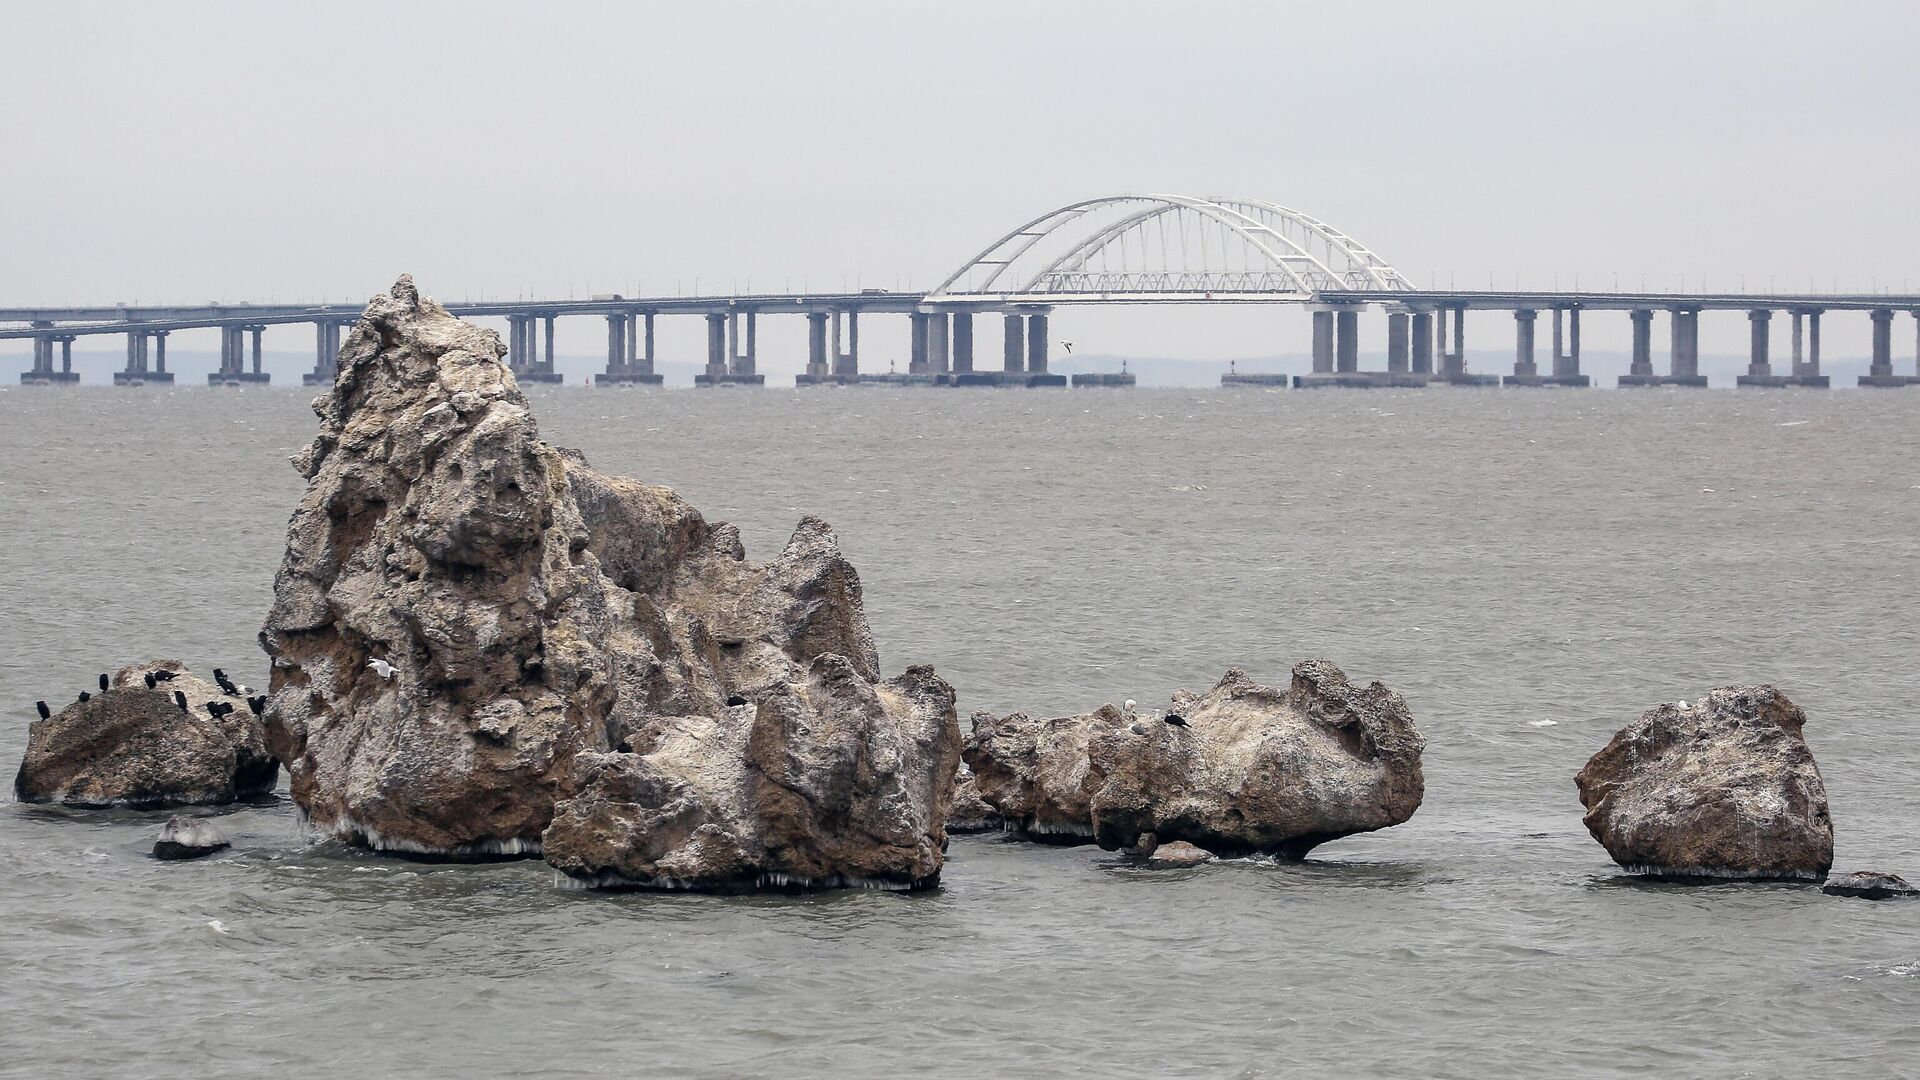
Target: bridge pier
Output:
{"points": [[1422, 343], [818, 370], [1759, 363], [1566, 351], [846, 365], [962, 342], [233, 359], [917, 348], [1396, 342], [937, 358], [43, 372], [716, 372], [1323, 341], [1015, 359], [1880, 370], [1346, 341], [1453, 362], [1641, 367], [1683, 362], [1525, 371], [635, 355]]}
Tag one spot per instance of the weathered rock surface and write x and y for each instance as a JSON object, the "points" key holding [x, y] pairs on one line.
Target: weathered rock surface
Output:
{"points": [[1178, 856], [1724, 787], [134, 747], [562, 636], [1869, 885], [189, 838], [970, 813], [1243, 768]]}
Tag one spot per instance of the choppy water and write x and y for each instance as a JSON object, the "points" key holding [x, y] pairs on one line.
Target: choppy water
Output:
{"points": [[1503, 558]]}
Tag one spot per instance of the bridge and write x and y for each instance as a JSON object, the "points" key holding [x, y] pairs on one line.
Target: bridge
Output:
{"points": [[1128, 249]]}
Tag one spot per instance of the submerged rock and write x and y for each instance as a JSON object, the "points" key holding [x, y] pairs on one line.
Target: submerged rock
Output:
{"points": [[1177, 856], [1724, 787], [1243, 768], [1869, 885], [558, 636], [134, 746], [189, 838]]}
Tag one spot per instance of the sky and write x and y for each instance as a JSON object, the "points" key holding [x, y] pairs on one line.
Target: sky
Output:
{"points": [[265, 152]]}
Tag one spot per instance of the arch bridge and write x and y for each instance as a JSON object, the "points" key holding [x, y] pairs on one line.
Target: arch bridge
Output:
{"points": [[1119, 249]]}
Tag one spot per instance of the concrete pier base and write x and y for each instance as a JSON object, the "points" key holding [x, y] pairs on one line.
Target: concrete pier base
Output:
{"points": [[1104, 378], [1257, 379], [899, 378], [629, 378], [58, 378], [1464, 378], [1819, 382], [1546, 380], [726, 379], [1003, 378], [826, 379], [1889, 380], [1358, 380], [553, 377], [217, 378], [1663, 380]]}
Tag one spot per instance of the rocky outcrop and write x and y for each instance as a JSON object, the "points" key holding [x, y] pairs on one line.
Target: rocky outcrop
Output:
{"points": [[970, 813], [1243, 768], [189, 838], [1869, 885], [132, 745], [559, 637], [1723, 787]]}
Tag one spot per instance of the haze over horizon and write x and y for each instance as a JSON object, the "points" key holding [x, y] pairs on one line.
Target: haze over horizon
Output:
{"points": [[235, 152]]}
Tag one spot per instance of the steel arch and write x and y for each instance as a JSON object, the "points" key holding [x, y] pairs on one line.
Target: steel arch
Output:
{"points": [[1298, 256]]}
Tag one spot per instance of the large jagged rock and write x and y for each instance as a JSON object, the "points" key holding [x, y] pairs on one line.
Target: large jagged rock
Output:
{"points": [[553, 630], [1723, 787], [1244, 768], [134, 747]]}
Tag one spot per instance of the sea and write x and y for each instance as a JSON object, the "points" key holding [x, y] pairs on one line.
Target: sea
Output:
{"points": [[1531, 569]]}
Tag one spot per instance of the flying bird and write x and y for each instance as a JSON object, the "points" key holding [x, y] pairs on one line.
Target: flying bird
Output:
{"points": [[381, 668], [1067, 345]]}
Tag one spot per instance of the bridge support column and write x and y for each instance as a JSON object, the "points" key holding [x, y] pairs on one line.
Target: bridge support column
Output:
{"points": [[1759, 366], [746, 362], [616, 348], [937, 344], [1423, 343], [1524, 367], [66, 354], [1684, 364], [716, 372], [1813, 345], [1346, 341], [917, 354], [1037, 342], [963, 342], [1015, 359], [817, 369], [846, 365], [1396, 342], [1323, 342], [541, 370], [258, 331], [632, 334], [1880, 371], [1453, 361]]}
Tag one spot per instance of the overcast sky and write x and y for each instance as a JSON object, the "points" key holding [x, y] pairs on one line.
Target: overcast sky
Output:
{"points": [[160, 152]]}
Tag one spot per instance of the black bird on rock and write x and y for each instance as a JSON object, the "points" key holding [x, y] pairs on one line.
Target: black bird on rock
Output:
{"points": [[44, 711], [84, 696], [258, 704], [180, 699], [164, 675], [1176, 719], [103, 682], [151, 681], [736, 700]]}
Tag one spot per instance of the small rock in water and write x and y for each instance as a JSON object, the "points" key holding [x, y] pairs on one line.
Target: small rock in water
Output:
{"points": [[1869, 885], [1178, 855], [189, 838]]}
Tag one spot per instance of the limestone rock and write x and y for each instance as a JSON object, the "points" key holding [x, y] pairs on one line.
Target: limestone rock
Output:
{"points": [[1869, 885], [1723, 787], [822, 782], [1243, 768], [131, 746], [552, 630], [970, 813], [189, 838], [1178, 856]]}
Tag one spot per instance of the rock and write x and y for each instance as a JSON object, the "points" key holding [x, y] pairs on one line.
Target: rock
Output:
{"points": [[1249, 768], [559, 636], [970, 813], [189, 838], [1869, 885], [130, 746], [1177, 856], [1724, 787], [824, 782]]}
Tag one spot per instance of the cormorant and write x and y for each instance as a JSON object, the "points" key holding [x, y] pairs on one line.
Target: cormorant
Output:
{"points": [[180, 699], [103, 682], [84, 696], [1176, 719], [44, 711], [151, 681]]}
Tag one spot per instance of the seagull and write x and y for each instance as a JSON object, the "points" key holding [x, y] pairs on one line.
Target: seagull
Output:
{"points": [[1129, 704], [1067, 345], [381, 668]]}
